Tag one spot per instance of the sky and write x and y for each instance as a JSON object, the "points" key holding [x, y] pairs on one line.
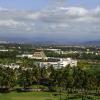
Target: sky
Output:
{"points": [[50, 20]]}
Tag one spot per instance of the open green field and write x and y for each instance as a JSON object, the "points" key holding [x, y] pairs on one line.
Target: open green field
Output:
{"points": [[28, 96], [37, 96]]}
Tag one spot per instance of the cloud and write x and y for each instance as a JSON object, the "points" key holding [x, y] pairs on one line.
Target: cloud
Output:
{"points": [[73, 23]]}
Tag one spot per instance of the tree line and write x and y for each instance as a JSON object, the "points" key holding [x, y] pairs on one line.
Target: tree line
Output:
{"points": [[68, 79], [88, 56]]}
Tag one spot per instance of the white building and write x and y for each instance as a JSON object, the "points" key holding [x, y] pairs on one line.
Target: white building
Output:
{"points": [[59, 64], [12, 66], [4, 50], [25, 55]]}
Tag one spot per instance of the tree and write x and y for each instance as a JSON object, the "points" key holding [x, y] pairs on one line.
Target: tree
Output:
{"points": [[25, 78], [7, 78]]}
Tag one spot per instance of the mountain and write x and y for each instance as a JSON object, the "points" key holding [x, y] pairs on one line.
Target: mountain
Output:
{"points": [[37, 40], [46, 41], [92, 43]]}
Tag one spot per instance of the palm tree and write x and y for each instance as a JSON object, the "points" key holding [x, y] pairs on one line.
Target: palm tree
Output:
{"points": [[7, 78], [26, 78]]}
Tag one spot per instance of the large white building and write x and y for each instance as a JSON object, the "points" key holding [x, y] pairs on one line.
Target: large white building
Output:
{"points": [[60, 64]]}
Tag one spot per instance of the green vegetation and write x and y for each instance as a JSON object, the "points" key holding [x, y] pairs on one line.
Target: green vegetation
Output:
{"points": [[43, 96], [29, 96], [66, 83], [81, 79], [10, 54], [78, 55]]}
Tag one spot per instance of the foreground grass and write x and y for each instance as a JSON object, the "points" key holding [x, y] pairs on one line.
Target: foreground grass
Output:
{"points": [[38, 96], [28, 96]]}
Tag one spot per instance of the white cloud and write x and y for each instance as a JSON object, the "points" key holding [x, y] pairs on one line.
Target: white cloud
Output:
{"points": [[61, 22], [10, 23], [75, 11], [34, 16]]}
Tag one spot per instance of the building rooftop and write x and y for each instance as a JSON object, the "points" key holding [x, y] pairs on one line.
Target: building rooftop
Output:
{"points": [[39, 54]]}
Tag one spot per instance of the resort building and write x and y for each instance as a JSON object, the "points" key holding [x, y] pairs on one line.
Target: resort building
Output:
{"points": [[59, 64], [39, 54]]}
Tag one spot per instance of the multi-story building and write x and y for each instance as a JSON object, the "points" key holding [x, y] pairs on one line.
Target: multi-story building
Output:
{"points": [[59, 64], [39, 55]]}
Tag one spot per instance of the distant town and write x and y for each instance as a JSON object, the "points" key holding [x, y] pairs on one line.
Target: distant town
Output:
{"points": [[50, 68]]}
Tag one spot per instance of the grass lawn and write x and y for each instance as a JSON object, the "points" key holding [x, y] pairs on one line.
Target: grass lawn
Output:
{"points": [[35, 96], [28, 96]]}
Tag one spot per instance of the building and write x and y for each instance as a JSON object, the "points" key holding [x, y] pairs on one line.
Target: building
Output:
{"points": [[38, 54], [4, 50], [59, 64], [12, 66], [25, 55]]}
